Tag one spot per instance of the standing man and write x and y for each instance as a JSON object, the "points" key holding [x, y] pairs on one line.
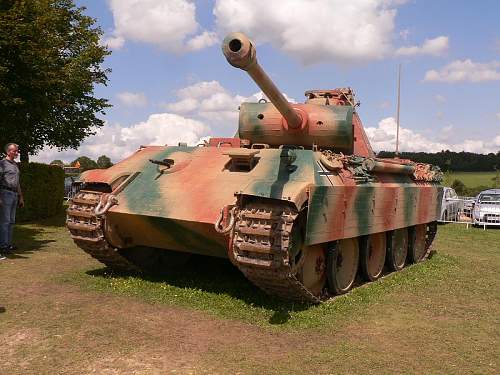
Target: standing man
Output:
{"points": [[10, 196]]}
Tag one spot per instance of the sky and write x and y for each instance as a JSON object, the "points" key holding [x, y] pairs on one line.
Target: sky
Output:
{"points": [[170, 83]]}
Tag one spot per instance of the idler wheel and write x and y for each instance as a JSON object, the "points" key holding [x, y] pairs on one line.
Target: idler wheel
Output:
{"points": [[372, 256], [417, 246], [397, 249], [308, 262], [153, 260], [342, 265]]}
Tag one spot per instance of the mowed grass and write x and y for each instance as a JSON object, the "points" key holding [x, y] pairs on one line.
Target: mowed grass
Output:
{"points": [[440, 316], [465, 267], [471, 179]]}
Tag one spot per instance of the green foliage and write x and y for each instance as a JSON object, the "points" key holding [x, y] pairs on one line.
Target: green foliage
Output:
{"points": [[452, 161], [50, 61], [57, 162], [104, 162], [459, 187], [43, 189], [86, 163]]}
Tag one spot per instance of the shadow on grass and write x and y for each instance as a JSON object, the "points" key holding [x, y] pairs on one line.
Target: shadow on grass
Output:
{"points": [[27, 241], [217, 276]]}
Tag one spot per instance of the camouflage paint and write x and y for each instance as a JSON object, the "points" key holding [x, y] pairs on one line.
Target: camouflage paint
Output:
{"points": [[325, 126], [176, 207]]}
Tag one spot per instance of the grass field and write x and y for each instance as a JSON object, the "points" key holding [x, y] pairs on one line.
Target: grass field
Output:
{"points": [[61, 311], [471, 179]]}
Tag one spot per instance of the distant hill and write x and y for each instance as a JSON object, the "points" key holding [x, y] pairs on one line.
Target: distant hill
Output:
{"points": [[452, 161]]}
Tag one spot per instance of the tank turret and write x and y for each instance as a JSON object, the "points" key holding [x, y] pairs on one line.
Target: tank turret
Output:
{"points": [[240, 53], [327, 120]]}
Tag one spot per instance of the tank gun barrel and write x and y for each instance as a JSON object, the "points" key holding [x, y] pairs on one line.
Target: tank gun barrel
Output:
{"points": [[240, 53]]}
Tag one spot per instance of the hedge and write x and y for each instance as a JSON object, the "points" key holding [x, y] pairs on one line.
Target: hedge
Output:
{"points": [[43, 189]]}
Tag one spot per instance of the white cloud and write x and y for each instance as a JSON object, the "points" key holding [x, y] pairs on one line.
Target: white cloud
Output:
{"points": [[170, 25], [315, 30], [465, 71], [132, 99], [205, 39], [113, 42], [117, 142], [210, 101], [435, 47], [498, 115], [202, 109], [383, 138]]}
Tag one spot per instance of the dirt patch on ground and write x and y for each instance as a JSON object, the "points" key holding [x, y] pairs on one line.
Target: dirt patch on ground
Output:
{"points": [[51, 326]]}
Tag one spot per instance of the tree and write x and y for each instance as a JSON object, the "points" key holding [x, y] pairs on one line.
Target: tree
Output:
{"points": [[85, 163], [57, 162], [104, 162], [50, 60], [459, 187]]}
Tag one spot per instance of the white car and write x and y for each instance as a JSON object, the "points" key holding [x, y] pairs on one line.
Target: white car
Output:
{"points": [[487, 208], [451, 205]]}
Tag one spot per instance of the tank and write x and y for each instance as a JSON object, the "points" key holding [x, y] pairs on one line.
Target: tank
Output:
{"points": [[297, 201]]}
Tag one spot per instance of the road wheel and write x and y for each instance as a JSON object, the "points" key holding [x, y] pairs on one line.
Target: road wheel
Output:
{"points": [[342, 265], [308, 262], [372, 256], [417, 248], [397, 249]]}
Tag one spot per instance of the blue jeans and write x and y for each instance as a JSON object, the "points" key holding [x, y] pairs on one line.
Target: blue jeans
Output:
{"points": [[8, 205]]}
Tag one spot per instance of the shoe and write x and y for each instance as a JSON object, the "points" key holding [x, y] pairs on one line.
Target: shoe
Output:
{"points": [[2, 257], [12, 247], [5, 250]]}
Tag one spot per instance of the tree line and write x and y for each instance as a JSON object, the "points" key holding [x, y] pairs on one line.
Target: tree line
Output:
{"points": [[452, 161], [87, 163]]}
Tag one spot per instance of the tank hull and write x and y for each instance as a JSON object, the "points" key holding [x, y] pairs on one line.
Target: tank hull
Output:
{"points": [[176, 208]]}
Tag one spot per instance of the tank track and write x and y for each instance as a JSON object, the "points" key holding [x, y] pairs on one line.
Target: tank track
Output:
{"points": [[87, 231], [261, 241]]}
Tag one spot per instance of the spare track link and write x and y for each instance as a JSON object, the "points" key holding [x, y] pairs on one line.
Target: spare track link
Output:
{"points": [[261, 241], [87, 231]]}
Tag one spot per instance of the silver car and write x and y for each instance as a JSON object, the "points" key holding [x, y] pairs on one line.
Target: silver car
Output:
{"points": [[487, 208], [451, 206]]}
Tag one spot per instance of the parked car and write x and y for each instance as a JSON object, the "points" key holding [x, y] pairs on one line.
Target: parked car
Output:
{"points": [[451, 206], [487, 208], [469, 205], [71, 186]]}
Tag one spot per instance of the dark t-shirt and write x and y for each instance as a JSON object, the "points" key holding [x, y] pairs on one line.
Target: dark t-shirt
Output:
{"points": [[9, 174]]}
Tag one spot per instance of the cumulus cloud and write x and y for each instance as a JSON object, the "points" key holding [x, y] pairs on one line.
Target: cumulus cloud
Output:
{"points": [[168, 24], [117, 142], [210, 101], [465, 71], [203, 109], [434, 47], [205, 39], [383, 138], [132, 99], [316, 30], [113, 41]]}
